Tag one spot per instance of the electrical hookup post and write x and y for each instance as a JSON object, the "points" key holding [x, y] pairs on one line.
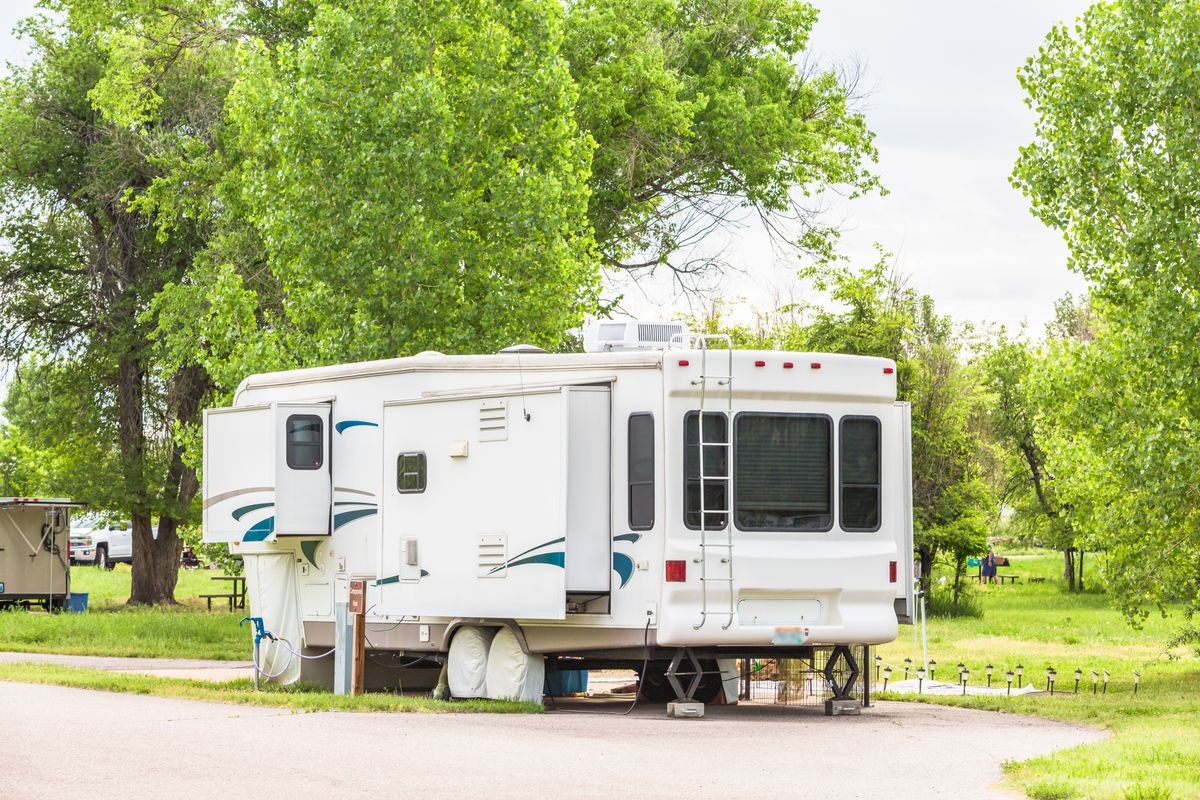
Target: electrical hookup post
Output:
{"points": [[350, 654]]}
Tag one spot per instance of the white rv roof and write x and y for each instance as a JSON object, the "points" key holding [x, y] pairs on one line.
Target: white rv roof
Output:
{"points": [[436, 362], [851, 369], [40, 501]]}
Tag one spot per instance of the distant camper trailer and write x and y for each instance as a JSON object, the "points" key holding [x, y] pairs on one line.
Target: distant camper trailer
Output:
{"points": [[663, 495], [34, 544]]}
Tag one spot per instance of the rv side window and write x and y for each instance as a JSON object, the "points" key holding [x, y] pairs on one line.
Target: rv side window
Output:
{"points": [[784, 472], [641, 472], [410, 473], [715, 480], [859, 469], [305, 442]]}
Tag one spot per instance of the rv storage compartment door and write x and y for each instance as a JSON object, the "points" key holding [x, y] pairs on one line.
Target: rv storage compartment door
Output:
{"points": [[474, 506], [303, 487], [239, 474]]}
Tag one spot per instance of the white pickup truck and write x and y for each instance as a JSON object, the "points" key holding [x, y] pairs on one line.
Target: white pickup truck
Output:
{"points": [[101, 543]]}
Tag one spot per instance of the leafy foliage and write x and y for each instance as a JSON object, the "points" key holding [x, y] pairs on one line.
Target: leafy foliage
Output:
{"points": [[1115, 166]]}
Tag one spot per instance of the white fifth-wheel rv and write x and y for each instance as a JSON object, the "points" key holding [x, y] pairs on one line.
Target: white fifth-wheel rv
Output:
{"points": [[661, 502]]}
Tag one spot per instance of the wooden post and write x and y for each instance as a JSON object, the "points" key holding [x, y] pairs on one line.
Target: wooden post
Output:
{"points": [[358, 659]]}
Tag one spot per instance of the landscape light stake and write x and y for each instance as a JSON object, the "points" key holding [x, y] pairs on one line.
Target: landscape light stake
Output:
{"points": [[1050, 676], [907, 667], [1020, 676], [1137, 678], [932, 667], [1008, 675], [920, 679], [1078, 675], [988, 669], [878, 664], [1095, 679], [887, 673], [1105, 690], [965, 674]]}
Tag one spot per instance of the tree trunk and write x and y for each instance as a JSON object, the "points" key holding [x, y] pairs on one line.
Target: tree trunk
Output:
{"points": [[925, 555], [1069, 567], [1081, 569], [155, 561]]}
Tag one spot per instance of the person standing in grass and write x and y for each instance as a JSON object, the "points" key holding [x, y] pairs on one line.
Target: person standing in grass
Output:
{"points": [[987, 569]]}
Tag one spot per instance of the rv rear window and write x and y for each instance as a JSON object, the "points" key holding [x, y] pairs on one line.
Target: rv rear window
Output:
{"points": [[784, 472], [859, 470], [305, 441], [410, 473], [713, 480], [641, 472]]}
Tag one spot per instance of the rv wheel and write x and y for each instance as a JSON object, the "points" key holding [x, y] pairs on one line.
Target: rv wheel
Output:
{"points": [[657, 689]]}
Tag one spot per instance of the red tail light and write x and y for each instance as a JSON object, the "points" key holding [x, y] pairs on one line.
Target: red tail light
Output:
{"points": [[892, 571], [676, 571]]}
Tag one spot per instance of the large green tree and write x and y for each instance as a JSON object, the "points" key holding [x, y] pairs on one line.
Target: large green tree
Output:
{"points": [[1115, 166], [81, 264]]}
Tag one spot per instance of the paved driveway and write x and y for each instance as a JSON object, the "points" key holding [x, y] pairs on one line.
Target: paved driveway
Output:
{"points": [[65, 743]]}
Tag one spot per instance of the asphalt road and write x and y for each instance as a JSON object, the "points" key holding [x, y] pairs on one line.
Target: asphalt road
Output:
{"points": [[66, 743]]}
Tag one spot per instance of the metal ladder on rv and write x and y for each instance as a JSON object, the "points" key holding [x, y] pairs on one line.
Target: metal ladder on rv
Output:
{"points": [[724, 387]]}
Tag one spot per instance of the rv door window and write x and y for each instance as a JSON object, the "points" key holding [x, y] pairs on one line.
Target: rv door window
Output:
{"points": [[305, 441], [714, 481], [641, 472], [859, 471], [410, 473], [784, 472]]}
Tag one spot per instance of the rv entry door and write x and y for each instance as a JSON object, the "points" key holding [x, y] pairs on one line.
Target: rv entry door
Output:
{"points": [[303, 486]]}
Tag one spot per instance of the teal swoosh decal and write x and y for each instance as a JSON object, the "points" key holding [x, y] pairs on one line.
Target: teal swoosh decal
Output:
{"points": [[238, 513], [345, 424], [309, 549], [555, 559], [539, 547], [623, 564], [349, 516], [353, 503], [260, 530], [627, 537]]}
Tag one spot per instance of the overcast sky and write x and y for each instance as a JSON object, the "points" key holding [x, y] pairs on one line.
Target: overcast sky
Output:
{"points": [[949, 117]]}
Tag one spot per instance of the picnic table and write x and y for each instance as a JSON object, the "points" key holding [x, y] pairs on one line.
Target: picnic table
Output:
{"points": [[236, 596]]}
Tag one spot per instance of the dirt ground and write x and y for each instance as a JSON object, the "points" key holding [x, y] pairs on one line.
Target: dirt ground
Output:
{"points": [[75, 743]]}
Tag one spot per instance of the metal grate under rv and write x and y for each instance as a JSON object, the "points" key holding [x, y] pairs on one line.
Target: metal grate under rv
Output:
{"points": [[794, 681]]}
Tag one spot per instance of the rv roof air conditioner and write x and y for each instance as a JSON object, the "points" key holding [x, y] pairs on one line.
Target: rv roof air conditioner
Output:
{"points": [[606, 336]]}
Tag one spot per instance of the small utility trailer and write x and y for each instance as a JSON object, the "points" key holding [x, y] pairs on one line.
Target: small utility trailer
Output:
{"points": [[663, 503], [34, 551]]}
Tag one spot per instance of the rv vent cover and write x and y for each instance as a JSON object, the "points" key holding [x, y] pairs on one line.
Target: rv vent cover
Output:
{"points": [[493, 420], [493, 555], [607, 335]]}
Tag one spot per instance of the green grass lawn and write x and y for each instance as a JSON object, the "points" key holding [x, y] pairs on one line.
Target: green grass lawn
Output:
{"points": [[1154, 751], [109, 628]]}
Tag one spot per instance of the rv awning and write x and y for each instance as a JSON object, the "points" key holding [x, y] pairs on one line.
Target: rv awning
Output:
{"points": [[56, 502]]}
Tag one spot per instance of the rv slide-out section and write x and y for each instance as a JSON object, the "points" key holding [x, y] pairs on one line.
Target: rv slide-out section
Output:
{"points": [[267, 472], [508, 496]]}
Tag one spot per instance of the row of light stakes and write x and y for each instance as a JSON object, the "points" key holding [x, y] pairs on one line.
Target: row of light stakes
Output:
{"points": [[964, 674]]}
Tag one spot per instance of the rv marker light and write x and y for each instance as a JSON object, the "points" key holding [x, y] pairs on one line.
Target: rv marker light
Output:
{"points": [[676, 571], [888, 370], [891, 571], [788, 365], [683, 362], [760, 363], [815, 365]]}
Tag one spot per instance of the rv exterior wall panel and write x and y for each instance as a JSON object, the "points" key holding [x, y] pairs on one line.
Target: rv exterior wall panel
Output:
{"points": [[239, 474], [588, 434]]}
